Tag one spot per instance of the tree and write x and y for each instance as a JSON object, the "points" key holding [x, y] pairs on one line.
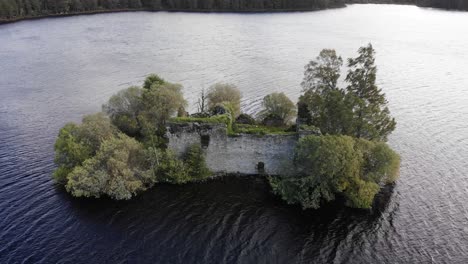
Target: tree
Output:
{"points": [[124, 108], [371, 115], [326, 166], [360, 110], [167, 167], [76, 143], [201, 103], [226, 95], [160, 103], [321, 75], [153, 79], [278, 105], [195, 162], [118, 169], [323, 103]]}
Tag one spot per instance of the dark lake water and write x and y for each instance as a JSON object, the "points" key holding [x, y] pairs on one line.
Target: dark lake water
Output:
{"points": [[55, 70]]}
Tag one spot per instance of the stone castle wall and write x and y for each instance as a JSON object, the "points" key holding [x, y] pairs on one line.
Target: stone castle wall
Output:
{"points": [[243, 154]]}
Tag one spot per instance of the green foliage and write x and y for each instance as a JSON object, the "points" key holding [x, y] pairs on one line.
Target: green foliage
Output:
{"points": [[153, 80], [167, 167], [118, 169], [70, 151], [217, 119], [330, 165], [358, 111], [170, 169], [195, 162], [260, 130], [245, 119], [371, 115], [159, 104], [278, 105], [76, 143], [224, 94], [124, 108], [321, 75], [142, 113]]}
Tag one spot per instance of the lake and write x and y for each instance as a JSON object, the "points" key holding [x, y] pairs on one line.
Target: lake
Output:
{"points": [[55, 70]]}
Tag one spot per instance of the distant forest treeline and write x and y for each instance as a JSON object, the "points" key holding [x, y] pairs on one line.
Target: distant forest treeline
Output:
{"points": [[12, 10], [445, 4], [17, 9]]}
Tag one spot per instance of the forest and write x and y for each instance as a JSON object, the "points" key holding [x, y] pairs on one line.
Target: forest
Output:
{"points": [[444, 4], [18, 9], [13, 10]]}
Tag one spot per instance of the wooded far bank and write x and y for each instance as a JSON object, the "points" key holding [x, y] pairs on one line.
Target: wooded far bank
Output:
{"points": [[14, 10]]}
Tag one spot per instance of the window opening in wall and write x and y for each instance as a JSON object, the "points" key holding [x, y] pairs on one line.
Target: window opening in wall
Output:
{"points": [[205, 141], [261, 168]]}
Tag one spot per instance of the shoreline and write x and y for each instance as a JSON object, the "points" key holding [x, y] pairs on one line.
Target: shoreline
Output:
{"points": [[250, 11], [96, 12]]}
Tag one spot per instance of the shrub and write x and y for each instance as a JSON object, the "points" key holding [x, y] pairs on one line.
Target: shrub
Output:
{"points": [[153, 80], [220, 119], [118, 169], [76, 143], [329, 165], [245, 119], [222, 94], [123, 109], [277, 107], [167, 167], [195, 162]]}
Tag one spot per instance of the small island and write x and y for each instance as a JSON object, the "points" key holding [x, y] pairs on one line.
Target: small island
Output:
{"points": [[332, 144]]}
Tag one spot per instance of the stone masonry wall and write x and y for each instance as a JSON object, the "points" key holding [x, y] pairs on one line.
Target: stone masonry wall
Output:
{"points": [[243, 154]]}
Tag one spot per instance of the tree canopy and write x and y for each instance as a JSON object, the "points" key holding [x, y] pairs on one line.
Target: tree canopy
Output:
{"points": [[326, 166], [142, 112], [123, 152], [118, 170], [278, 105], [371, 115], [351, 159], [359, 110], [76, 143], [14, 9], [226, 95]]}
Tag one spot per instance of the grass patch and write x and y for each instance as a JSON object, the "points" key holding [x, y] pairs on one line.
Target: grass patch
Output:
{"points": [[217, 119], [236, 129], [261, 130]]}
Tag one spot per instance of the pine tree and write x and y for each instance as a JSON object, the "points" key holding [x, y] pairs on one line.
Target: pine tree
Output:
{"points": [[371, 116]]}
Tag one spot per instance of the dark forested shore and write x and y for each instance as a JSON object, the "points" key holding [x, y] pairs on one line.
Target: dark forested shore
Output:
{"points": [[443, 4], [15, 10]]}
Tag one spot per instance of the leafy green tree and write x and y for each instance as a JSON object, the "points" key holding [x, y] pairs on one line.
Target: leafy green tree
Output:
{"points": [[153, 79], [224, 94], [76, 143], [167, 167], [327, 166], [360, 110], [159, 104], [196, 164], [323, 103], [119, 170], [321, 75], [278, 105], [371, 115], [70, 151], [124, 108]]}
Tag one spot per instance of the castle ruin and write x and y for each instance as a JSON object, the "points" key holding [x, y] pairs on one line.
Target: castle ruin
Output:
{"points": [[239, 154]]}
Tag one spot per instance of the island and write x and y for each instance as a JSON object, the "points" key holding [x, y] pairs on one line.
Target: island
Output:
{"points": [[332, 143]]}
